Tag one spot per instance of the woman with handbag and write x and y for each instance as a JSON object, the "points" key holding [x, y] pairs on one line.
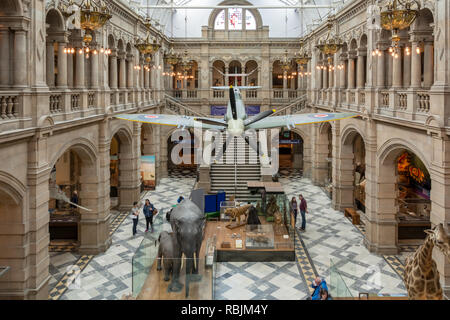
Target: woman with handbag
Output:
{"points": [[149, 212]]}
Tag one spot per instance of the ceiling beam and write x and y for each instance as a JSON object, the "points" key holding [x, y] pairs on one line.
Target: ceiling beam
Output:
{"points": [[305, 6]]}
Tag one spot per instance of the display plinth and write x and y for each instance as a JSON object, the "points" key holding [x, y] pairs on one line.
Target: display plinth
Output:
{"points": [[235, 225]]}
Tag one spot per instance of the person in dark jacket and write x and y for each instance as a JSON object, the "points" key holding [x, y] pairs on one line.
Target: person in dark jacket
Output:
{"points": [[149, 211], [74, 199], [324, 295], [303, 210], [318, 284], [294, 209]]}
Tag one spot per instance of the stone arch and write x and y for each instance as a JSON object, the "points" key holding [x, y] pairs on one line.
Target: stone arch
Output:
{"points": [[147, 139], [347, 167], [363, 41], [55, 20], [307, 150], [13, 210], [423, 20], [217, 78], [250, 67], [215, 13], [11, 8], [124, 168], [386, 193], [85, 148], [111, 41]]}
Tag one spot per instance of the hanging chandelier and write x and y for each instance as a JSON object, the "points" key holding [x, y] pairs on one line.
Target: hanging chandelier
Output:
{"points": [[397, 15], [332, 43], [285, 62], [146, 46], [303, 56], [93, 15], [185, 62], [171, 58]]}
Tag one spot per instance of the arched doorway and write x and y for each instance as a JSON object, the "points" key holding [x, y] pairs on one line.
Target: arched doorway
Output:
{"points": [[11, 239], [291, 150], [218, 72], [71, 183], [350, 191], [184, 142], [121, 170], [235, 67], [148, 158], [410, 179], [251, 68], [64, 186]]}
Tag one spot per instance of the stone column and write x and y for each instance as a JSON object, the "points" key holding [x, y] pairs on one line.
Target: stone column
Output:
{"points": [[351, 72], [407, 70], [122, 71], [20, 58], [397, 71], [94, 70], [319, 157], [342, 74], [416, 66], [130, 71], [61, 80], [381, 68], [146, 79], [227, 79], [361, 83], [113, 70], [428, 76], [79, 69], [50, 64], [330, 77], [4, 58], [325, 77], [70, 70]]}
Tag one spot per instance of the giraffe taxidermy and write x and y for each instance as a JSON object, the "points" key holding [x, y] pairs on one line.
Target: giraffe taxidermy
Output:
{"points": [[421, 276]]}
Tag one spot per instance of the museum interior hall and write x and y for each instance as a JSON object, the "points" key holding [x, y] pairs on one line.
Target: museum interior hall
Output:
{"points": [[220, 113]]}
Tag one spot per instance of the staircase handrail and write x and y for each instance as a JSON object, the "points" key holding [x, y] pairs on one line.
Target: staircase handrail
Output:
{"points": [[183, 106], [300, 99]]}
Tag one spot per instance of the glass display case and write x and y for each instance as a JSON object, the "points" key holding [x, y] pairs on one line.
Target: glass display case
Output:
{"points": [[259, 236]]}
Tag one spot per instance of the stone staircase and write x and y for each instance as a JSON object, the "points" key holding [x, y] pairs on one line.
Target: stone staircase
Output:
{"points": [[238, 165]]}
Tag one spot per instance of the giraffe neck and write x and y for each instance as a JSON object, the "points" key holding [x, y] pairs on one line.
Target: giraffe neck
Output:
{"points": [[424, 254]]}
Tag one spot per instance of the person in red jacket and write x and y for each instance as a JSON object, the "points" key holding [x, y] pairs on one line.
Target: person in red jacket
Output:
{"points": [[303, 210]]}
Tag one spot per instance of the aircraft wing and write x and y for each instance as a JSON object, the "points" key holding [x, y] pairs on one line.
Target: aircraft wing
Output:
{"points": [[299, 119], [173, 120]]}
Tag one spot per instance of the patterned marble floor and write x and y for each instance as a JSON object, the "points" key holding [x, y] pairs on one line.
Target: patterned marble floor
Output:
{"points": [[109, 275], [259, 281], [331, 240]]}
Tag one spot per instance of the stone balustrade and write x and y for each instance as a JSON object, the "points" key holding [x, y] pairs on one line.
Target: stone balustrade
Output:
{"points": [[56, 103], [9, 107], [423, 102]]}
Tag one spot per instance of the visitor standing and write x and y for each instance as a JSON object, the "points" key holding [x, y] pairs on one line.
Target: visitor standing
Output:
{"points": [[149, 212], [135, 217], [303, 210], [294, 209], [74, 199]]}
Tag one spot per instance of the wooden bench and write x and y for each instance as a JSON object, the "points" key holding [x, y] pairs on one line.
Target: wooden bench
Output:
{"points": [[350, 212]]}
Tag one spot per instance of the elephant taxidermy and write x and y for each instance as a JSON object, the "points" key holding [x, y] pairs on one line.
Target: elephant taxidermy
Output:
{"points": [[188, 223], [169, 252]]}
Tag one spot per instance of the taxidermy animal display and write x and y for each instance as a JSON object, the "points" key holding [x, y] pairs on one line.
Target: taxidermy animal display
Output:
{"points": [[169, 252], [188, 223], [236, 213], [421, 276]]}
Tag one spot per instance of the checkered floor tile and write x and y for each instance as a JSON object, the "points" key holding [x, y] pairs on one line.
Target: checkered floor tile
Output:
{"points": [[333, 243], [108, 276]]}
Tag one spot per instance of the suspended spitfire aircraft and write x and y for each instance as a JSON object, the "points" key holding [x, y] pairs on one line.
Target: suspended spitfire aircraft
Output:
{"points": [[236, 120]]}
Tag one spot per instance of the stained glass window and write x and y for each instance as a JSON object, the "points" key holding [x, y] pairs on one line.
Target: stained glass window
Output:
{"points": [[250, 20], [219, 24], [235, 19]]}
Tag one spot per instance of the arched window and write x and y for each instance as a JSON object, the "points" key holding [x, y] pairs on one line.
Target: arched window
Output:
{"points": [[250, 22], [235, 19], [219, 23]]}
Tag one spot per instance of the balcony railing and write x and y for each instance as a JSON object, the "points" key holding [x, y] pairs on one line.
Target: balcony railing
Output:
{"points": [[9, 107], [278, 94], [423, 102], [55, 103], [218, 94], [402, 101], [91, 100], [75, 102], [384, 99], [251, 94]]}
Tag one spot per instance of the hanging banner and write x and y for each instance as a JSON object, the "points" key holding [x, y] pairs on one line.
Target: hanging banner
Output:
{"points": [[218, 110], [148, 172], [252, 110]]}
